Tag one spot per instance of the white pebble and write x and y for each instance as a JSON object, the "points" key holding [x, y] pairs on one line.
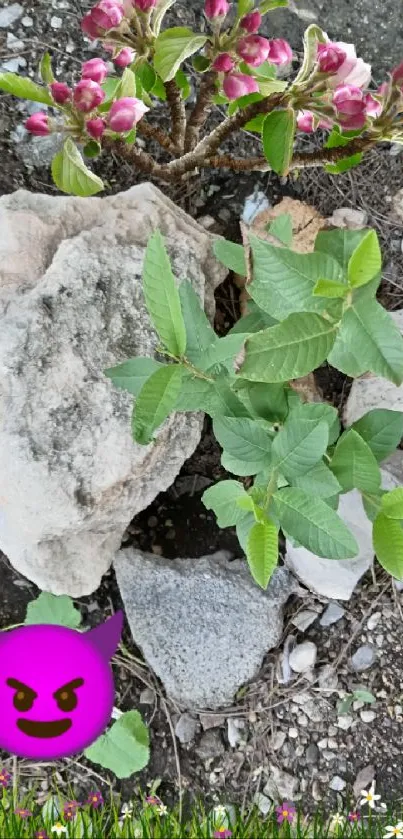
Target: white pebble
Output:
{"points": [[337, 783], [56, 22], [293, 732], [344, 722], [303, 656], [367, 716], [27, 21], [373, 620]]}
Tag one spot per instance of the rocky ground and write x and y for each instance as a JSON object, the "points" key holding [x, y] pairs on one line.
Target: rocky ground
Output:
{"points": [[286, 728]]}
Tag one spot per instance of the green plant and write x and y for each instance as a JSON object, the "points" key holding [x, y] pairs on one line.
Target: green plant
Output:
{"points": [[360, 694], [231, 66], [305, 308]]}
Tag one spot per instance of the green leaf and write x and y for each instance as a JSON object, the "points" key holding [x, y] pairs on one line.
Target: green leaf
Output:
{"points": [[162, 296], [289, 350], [183, 83], [298, 446], [200, 63], [45, 69], [214, 397], [392, 503], [364, 696], [242, 468], [155, 401], [53, 609], [244, 439], [269, 5], [312, 36], [314, 524], [343, 705], [24, 88], [254, 321], [319, 482], [236, 104], [231, 255], [222, 499], [124, 749], [368, 340], [159, 12], [70, 173], [199, 333], [354, 465], [283, 281], [344, 164], [92, 149], [243, 527], [262, 551], [330, 288], [223, 352], [281, 229], [387, 536], [266, 401], [372, 504], [127, 85], [243, 7], [335, 140], [172, 47], [340, 244], [278, 139], [132, 374], [366, 261], [315, 412], [382, 430], [147, 76]]}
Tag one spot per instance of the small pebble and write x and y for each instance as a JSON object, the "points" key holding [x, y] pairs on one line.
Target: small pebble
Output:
{"points": [[316, 791], [147, 697], [293, 733], [208, 721], [312, 754], [303, 657], [263, 803], [186, 728], [332, 614], [322, 744], [14, 43], [363, 658], [27, 21], [367, 715], [304, 619], [345, 722], [373, 620], [337, 784], [234, 731], [277, 741], [10, 14], [56, 22]]}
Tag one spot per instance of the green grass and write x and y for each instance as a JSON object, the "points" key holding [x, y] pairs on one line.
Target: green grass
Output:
{"points": [[146, 817]]}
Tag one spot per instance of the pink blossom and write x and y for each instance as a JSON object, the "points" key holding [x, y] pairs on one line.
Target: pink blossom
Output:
{"points": [[215, 8], [5, 776], [280, 51], [306, 121], [60, 91], [95, 799], [87, 95], [397, 75], [144, 5], [125, 113], [353, 70], [223, 63], [38, 124], [349, 100], [251, 22], [106, 15], [352, 123], [285, 812], [253, 49], [94, 69], [373, 107], [124, 57], [95, 127], [330, 57], [238, 84]]}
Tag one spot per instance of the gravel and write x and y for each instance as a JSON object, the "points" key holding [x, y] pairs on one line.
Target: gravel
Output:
{"points": [[363, 658]]}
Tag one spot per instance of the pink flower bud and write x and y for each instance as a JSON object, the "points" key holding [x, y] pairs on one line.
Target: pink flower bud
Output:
{"points": [[223, 63], [125, 57], [330, 57], [87, 95], [95, 128], [125, 113], [373, 107], [60, 92], [215, 8], [353, 70], [94, 69], [280, 51], [353, 122], [306, 121], [144, 5], [251, 22], [349, 99], [253, 49], [238, 84], [106, 15], [397, 75], [38, 124]]}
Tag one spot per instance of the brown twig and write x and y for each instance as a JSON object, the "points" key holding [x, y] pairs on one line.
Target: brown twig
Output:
{"points": [[199, 113], [178, 114], [153, 132]]}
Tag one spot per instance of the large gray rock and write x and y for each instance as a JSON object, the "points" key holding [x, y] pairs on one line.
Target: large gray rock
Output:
{"points": [[71, 305], [203, 624]]}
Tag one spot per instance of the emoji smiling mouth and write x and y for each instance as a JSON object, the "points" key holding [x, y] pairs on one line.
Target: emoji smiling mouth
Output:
{"points": [[44, 729]]}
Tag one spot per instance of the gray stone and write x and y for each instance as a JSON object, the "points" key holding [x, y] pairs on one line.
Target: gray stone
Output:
{"points": [[211, 721], [235, 731], [281, 786], [337, 784], [367, 715], [72, 305], [303, 656], [344, 722], [302, 620], [346, 217], [328, 679], [363, 658], [210, 746], [147, 697], [312, 754], [33, 153], [202, 624], [186, 728], [14, 43], [332, 614], [262, 802], [10, 14], [315, 708]]}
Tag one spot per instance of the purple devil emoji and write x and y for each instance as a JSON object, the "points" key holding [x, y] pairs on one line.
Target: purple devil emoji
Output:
{"points": [[56, 688]]}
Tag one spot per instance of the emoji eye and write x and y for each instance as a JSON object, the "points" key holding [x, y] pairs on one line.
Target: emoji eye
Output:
{"points": [[24, 696], [66, 697]]}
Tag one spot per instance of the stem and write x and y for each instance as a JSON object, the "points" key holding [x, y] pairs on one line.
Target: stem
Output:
{"points": [[178, 114], [153, 132], [199, 113]]}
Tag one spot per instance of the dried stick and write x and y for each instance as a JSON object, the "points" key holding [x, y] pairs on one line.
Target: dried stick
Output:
{"points": [[199, 113], [178, 114], [153, 132]]}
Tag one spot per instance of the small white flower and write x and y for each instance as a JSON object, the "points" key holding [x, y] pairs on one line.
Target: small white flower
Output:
{"points": [[162, 810], [396, 831], [58, 828], [369, 797], [338, 820], [220, 811], [127, 811]]}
